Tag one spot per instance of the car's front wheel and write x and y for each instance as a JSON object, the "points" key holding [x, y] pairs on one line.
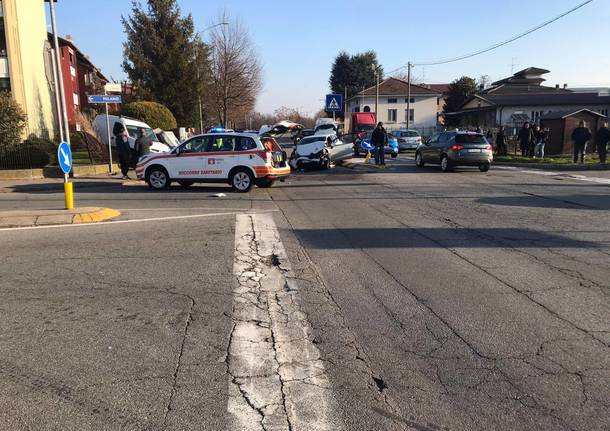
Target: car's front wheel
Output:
{"points": [[445, 165], [419, 160], [158, 178], [484, 167], [241, 180]]}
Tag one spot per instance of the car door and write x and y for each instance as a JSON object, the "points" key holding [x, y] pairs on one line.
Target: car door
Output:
{"points": [[220, 156], [189, 160], [426, 150], [339, 149], [439, 147]]}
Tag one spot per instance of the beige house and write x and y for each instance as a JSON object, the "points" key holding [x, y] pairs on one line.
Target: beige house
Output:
{"points": [[25, 63]]}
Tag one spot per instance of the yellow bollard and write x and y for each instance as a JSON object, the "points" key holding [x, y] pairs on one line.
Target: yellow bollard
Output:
{"points": [[69, 193]]}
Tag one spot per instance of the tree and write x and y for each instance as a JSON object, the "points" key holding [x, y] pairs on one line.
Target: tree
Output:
{"points": [[154, 114], [236, 72], [164, 57], [12, 121], [484, 82], [459, 92], [354, 72]]}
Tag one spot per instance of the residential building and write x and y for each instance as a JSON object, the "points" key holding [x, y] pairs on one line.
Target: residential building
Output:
{"points": [[81, 79], [393, 97], [512, 101], [443, 89], [26, 65]]}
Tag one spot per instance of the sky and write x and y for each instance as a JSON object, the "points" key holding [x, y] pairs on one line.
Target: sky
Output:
{"points": [[298, 41]]}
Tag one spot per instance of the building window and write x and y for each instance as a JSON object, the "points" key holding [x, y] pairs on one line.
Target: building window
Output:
{"points": [[392, 115], [411, 113], [393, 100], [357, 109], [75, 97], [412, 100], [367, 109]]}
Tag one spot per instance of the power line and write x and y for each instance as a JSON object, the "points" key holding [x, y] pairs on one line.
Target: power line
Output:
{"points": [[499, 44]]}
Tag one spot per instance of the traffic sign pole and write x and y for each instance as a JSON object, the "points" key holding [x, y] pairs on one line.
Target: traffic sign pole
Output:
{"points": [[109, 146]]}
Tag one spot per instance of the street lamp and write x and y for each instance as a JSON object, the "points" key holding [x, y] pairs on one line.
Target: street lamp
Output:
{"points": [[199, 34]]}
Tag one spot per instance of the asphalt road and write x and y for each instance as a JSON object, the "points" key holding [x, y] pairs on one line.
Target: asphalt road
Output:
{"points": [[398, 300]]}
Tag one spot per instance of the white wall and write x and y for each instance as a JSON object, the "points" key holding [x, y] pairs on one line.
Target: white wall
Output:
{"points": [[425, 110]]}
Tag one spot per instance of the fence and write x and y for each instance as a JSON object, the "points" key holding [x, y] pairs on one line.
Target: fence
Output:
{"points": [[18, 157]]}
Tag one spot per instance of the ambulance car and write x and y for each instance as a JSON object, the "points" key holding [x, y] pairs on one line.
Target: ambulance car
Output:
{"points": [[241, 159]]}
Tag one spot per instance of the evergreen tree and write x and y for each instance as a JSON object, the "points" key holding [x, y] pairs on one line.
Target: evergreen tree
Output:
{"points": [[354, 72], [164, 58], [459, 92]]}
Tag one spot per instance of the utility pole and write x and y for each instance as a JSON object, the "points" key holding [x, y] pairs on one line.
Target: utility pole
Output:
{"points": [[377, 94], [408, 95], [62, 97]]}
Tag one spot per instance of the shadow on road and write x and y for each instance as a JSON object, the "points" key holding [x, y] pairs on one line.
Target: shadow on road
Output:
{"points": [[367, 238], [587, 202]]}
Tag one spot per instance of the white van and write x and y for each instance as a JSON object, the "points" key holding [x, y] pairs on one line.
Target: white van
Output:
{"points": [[132, 125], [325, 127]]}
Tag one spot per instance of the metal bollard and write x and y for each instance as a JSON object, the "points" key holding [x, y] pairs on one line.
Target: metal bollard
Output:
{"points": [[69, 195]]}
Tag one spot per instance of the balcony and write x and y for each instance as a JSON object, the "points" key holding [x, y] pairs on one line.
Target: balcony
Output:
{"points": [[4, 71]]}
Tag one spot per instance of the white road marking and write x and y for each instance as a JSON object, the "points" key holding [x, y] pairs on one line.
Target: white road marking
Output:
{"points": [[277, 379], [555, 174]]}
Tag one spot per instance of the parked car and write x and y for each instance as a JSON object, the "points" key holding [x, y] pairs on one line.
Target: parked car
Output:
{"points": [[451, 149], [407, 139], [320, 151], [363, 144], [326, 126], [132, 125], [240, 159], [300, 134]]}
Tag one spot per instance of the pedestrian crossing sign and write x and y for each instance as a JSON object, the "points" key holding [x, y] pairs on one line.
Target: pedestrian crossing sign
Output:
{"points": [[334, 103]]}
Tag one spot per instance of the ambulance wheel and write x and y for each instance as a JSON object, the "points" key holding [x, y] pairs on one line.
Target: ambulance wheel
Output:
{"points": [[186, 184], [241, 180], [157, 178], [264, 183]]}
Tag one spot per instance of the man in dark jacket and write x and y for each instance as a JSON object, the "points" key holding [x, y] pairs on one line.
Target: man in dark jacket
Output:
{"points": [[603, 140], [379, 138], [143, 143], [122, 145], [501, 142], [580, 137], [526, 138]]}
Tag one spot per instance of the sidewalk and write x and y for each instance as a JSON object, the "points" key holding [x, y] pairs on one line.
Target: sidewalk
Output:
{"points": [[17, 218]]}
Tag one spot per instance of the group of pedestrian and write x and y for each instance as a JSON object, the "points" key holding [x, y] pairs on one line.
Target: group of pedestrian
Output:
{"points": [[128, 157], [581, 136], [532, 140]]}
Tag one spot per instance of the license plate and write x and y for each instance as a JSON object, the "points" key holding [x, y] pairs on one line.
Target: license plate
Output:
{"points": [[474, 151]]}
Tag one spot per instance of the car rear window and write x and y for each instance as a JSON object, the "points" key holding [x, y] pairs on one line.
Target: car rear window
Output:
{"points": [[470, 139], [409, 134]]}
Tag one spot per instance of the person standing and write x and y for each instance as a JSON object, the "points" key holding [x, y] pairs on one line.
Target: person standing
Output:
{"points": [[379, 138], [540, 142], [121, 139], [501, 142], [603, 140], [142, 145], [580, 137], [526, 138]]}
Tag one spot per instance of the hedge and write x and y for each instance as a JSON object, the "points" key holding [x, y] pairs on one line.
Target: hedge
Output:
{"points": [[152, 113]]}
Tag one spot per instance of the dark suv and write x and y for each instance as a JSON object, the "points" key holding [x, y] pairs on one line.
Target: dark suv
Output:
{"points": [[456, 149]]}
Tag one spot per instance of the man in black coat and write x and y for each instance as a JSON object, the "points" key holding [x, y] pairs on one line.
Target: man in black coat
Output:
{"points": [[603, 140], [122, 145], [379, 138], [580, 137], [143, 143], [526, 138]]}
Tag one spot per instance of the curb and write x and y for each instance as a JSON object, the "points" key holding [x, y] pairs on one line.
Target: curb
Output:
{"points": [[55, 172], [29, 218], [546, 166], [95, 216]]}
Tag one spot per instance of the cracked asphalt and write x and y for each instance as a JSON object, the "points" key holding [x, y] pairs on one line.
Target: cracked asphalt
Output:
{"points": [[398, 300]]}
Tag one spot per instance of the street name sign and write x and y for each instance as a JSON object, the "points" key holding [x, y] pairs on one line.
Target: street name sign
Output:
{"points": [[102, 98]]}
